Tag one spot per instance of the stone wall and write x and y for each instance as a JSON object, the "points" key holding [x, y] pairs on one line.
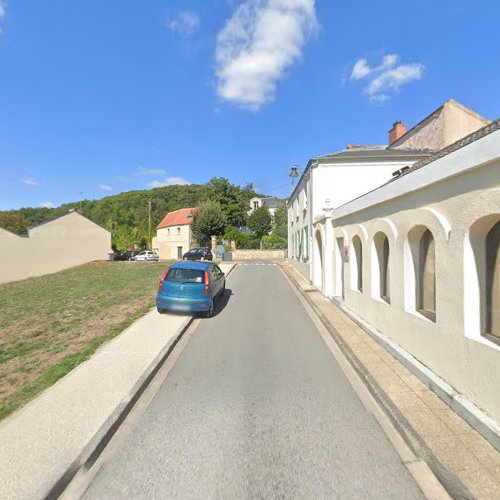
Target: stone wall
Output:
{"points": [[258, 254]]}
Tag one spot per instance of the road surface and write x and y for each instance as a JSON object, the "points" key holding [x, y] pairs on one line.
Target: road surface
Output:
{"points": [[255, 407]]}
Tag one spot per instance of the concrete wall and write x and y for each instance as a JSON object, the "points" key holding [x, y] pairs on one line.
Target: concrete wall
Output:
{"points": [[456, 197], [65, 242], [168, 240], [258, 254]]}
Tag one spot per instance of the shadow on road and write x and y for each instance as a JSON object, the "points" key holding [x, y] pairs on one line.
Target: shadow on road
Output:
{"points": [[222, 301]]}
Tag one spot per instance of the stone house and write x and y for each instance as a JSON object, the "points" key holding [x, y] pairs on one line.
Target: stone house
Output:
{"points": [[173, 234], [271, 202]]}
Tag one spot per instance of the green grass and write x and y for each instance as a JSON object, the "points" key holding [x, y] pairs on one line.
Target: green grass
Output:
{"points": [[53, 323]]}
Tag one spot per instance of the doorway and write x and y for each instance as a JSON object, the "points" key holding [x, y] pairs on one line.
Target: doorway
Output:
{"points": [[179, 253]]}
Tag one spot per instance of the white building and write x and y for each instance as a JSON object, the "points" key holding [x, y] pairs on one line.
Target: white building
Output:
{"points": [[270, 202], [343, 176], [417, 258]]}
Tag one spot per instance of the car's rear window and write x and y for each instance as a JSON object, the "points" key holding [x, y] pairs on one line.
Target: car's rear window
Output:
{"points": [[181, 275]]}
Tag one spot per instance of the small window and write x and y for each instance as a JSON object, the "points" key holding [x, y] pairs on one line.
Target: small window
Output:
{"points": [[178, 230], [426, 276], [168, 232], [255, 205]]}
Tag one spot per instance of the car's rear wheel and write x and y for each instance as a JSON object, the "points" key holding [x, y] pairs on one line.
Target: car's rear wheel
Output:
{"points": [[210, 311]]}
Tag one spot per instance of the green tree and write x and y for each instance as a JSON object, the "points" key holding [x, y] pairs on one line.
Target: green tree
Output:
{"points": [[208, 221], [280, 226], [234, 200], [14, 222], [260, 221]]}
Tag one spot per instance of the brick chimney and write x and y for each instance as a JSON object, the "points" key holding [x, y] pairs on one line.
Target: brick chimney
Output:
{"points": [[397, 131]]}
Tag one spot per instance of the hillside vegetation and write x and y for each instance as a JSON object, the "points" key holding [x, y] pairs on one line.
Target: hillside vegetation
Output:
{"points": [[126, 214]]}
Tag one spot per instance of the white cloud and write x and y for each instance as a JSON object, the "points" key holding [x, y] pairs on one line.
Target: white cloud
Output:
{"points": [[168, 181], [185, 23], [47, 204], [387, 78], [360, 70], [30, 181], [105, 187], [256, 46], [3, 12], [151, 171]]}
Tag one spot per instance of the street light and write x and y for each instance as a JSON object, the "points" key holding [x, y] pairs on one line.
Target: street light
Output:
{"points": [[293, 174]]}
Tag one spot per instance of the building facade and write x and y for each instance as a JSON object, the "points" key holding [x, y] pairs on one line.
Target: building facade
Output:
{"points": [[270, 202], [418, 259], [67, 241], [332, 180], [173, 235]]}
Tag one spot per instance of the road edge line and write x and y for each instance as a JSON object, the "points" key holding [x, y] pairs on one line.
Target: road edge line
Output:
{"points": [[423, 474]]}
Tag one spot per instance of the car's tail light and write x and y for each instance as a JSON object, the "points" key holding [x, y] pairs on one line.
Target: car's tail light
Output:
{"points": [[164, 275], [207, 282]]}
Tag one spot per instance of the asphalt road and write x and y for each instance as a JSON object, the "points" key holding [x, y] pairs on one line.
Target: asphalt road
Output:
{"points": [[255, 407]]}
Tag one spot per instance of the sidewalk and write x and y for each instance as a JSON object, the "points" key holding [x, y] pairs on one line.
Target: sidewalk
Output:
{"points": [[465, 463], [44, 443]]}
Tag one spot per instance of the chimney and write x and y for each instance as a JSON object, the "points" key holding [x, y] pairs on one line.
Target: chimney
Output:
{"points": [[349, 146], [397, 131]]}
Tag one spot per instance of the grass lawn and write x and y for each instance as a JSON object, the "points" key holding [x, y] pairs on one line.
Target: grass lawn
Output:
{"points": [[52, 323]]}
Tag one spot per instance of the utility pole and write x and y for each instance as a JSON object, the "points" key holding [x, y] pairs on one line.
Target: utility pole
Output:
{"points": [[149, 225]]}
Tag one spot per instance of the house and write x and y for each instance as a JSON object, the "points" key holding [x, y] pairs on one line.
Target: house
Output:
{"points": [[173, 234], [416, 259], [66, 241], [334, 179], [271, 202]]}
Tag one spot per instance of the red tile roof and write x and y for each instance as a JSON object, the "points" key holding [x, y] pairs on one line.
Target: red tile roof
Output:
{"points": [[177, 218]]}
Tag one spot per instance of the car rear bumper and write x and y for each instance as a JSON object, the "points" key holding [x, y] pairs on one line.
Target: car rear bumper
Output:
{"points": [[183, 304]]}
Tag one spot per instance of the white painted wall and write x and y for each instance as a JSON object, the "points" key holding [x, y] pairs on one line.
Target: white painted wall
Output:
{"points": [[65, 242], [456, 197]]}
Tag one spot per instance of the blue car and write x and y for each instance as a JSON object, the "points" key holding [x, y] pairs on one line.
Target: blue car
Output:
{"points": [[190, 287]]}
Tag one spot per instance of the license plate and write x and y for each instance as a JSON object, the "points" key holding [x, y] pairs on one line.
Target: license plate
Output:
{"points": [[180, 307]]}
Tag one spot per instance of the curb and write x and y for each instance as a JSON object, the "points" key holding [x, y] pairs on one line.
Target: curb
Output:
{"points": [[102, 437], [453, 485]]}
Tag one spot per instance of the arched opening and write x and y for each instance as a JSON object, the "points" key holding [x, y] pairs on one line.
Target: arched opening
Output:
{"points": [[339, 268], [420, 272], [357, 264], [426, 276], [318, 261], [381, 277], [492, 292]]}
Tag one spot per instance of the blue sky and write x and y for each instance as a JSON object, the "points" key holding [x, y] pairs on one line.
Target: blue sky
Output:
{"points": [[100, 97]]}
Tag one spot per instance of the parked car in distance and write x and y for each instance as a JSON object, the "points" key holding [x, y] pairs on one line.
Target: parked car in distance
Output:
{"points": [[198, 254], [190, 287], [146, 255], [130, 254], [117, 255]]}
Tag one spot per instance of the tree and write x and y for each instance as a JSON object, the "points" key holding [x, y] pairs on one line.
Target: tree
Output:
{"points": [[280, 226], [234, 200], [260, 221], [15, 223], [208, 221]]}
